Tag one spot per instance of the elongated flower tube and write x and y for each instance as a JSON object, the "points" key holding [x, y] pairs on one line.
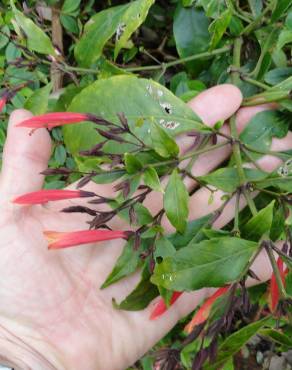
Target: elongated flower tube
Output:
{"points": [[44, 196], [274, 289], [161, 307], [60, 240], [3, 102], [51, 120], [203, 313]]}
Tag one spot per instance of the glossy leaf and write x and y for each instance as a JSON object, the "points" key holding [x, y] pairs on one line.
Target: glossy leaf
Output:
{"points": [[107, 177], [37, 103], [256, 7], [70, 6], [261, 129], [218, 27], [126, 264], [4, 36], [278, 75], [132, 164], [60, 154], [281, 7], [190, 29], [260, 224], [194, 266], [227, 179], [276, 336], [162, 143], [235, 341], [176, 202], [120, 20], [277, 180], [141, 101], [193, 232], [37, 40], [141, 296], [151, 179], [163, 248]]}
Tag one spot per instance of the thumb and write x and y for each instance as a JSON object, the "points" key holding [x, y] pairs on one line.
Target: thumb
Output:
{"points": [[25, 155]]}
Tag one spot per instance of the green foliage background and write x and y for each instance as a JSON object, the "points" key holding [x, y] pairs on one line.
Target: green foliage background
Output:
{"points": [[86, 56]]}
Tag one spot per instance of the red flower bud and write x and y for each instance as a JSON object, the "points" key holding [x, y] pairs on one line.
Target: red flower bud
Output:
{"points": [[51, 120], [161, 307], [3, 102], [59, 240], [44, 196], [203, 313], [274, 289]]}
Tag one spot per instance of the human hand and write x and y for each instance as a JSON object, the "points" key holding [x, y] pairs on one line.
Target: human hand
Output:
{"points": [[52, 313]]}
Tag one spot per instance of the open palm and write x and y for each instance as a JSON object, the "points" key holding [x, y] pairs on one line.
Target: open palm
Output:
{"points": [[53, 314]]}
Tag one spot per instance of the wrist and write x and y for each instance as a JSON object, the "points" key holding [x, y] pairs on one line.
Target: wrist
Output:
{"points": [[23, 349]]}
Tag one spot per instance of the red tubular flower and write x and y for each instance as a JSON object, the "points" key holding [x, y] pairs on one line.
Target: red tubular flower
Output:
{"points": [[274, 290], [3, 102], [44, 196], [203, 313], [161, 307], [60, 240], [51, 120]]}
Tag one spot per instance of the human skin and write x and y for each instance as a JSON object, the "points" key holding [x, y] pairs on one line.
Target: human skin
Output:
{"points": [[53, 314]]}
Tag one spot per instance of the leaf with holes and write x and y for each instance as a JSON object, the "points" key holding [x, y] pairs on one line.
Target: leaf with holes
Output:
{"points": [[141, 100], [120, 20]]}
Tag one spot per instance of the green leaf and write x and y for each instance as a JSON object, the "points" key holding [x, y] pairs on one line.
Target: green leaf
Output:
{"points": [[190, 29], [288, 21], [132, 164], [256, 7], [288, 281], [235, 26], [69, 23], [120, 20], [278, 224], [70, 6], [144, 217], [12, 52], [131, 20], [162, 143], [285, 37], [37, 103], [213, 8], [37, 40], [210, 263], [227, 179], [276, 336], [193, 232], [151, 179], [141, 296], [278, 75], [259, 224], [176, 202], [281, 7], [106, 177], [3, 38], [143, 214], [234, 342], [126, 264], [218, 27], [283, 86], [163, 248], [138, 99], [187, 3], [277, 180], [60, 154]]}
